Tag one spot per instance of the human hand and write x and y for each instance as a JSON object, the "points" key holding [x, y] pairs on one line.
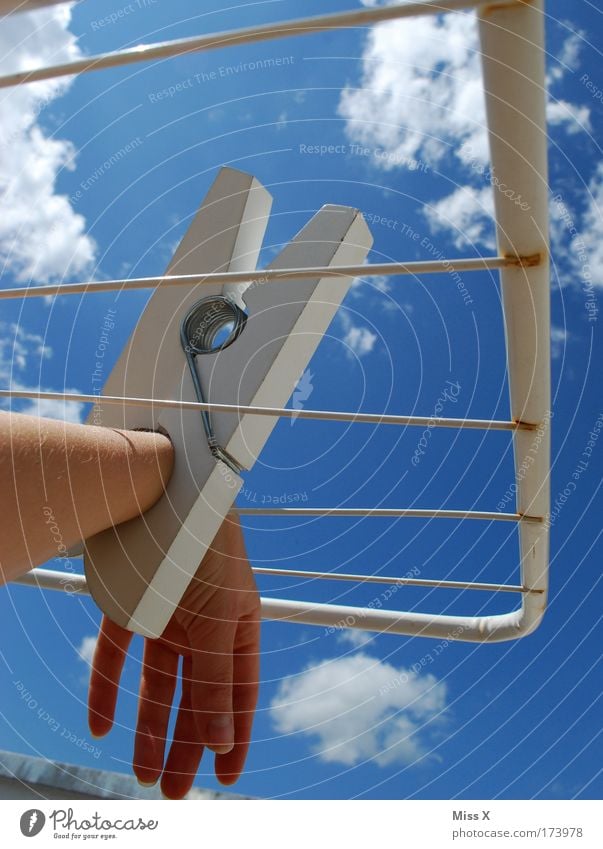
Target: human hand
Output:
{"points": [[216, 629]]}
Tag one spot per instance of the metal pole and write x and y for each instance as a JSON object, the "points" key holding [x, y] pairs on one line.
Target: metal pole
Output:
{"points": [[387, 512], [246, 35], [257, 278], [324, 415]]}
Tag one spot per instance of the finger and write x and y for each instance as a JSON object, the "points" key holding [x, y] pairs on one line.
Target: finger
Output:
{"points": [[211, 683], [107, 664], [186, 750], [246, 671], [157, 685]]}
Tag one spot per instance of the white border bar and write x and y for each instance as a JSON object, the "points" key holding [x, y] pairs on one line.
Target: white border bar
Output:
{"points": [[333, 617], [512, 47], [245, 35], [513, 60], [385, 512], [52, 579], [389, 580], [324, 415], [224, 278]]}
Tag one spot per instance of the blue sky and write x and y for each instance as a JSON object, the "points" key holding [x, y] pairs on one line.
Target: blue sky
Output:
{"points": [[101, 176]]}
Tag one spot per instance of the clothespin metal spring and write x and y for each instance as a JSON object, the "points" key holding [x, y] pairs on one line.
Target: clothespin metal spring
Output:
{"points": [[211, 325]]}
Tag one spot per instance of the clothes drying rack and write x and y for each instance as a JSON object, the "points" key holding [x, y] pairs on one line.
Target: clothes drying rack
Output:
{"points": [[511, 36]]}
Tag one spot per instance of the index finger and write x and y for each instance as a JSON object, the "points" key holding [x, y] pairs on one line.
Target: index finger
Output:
{"points": [[107, 664]]}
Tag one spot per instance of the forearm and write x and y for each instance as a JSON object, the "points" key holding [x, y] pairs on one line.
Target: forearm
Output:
{"points": [[88, 477]]}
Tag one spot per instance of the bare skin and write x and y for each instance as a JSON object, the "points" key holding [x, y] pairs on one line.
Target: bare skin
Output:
{"points": [[92, 478]]}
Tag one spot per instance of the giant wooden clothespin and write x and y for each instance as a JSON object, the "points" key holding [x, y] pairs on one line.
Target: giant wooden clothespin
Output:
{"points": [[138, 571]]}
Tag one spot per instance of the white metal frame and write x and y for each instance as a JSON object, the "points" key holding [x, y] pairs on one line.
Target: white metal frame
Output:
{"points": [[512, 47]]}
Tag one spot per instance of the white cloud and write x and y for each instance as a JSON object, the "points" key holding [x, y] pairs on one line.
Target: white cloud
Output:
{"points": [[559, 337], [41, 237], [17, 346], [577, 236], [420, 97], [381, 283], [574, 118], [570, 117], [354, 637], [568, 57], [358, 339], [86, 649], [591, 236], [421, 93], [559, 216], [378, 281], [71, 411], [22, 352], [360, 708], [371, 286], [467, 214], [570, 51]]}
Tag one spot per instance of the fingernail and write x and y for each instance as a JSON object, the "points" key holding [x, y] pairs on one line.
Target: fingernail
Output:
{"points": [[221, 733], [146, 783]]}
